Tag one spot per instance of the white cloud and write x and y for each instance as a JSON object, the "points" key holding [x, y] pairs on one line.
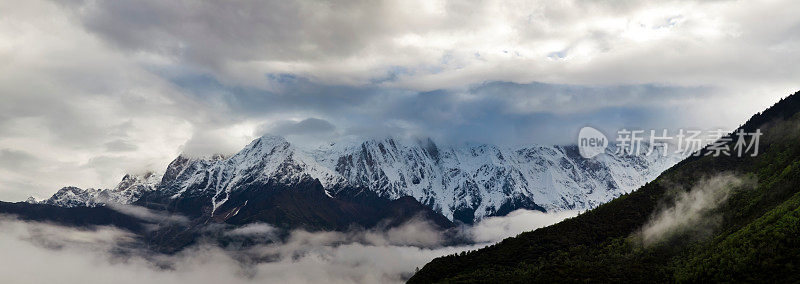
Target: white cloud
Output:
{"points": [[66, 96], [692, 211], [148, 215], [42, 253], [68, 255], [495, 229], [255, 229]]}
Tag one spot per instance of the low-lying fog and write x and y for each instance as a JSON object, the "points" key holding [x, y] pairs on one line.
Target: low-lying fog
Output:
{"points": [[45, 253]]}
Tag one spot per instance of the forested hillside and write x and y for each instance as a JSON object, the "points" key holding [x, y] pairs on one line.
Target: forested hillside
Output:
{"points": [[749, 232]]}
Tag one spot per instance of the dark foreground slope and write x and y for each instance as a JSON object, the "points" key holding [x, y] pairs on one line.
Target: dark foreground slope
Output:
{"points": [[77, 217], [753, 236]]}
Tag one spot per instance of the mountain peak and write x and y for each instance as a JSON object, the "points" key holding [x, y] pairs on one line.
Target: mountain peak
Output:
{"points": [[269, 139], [148, 180]]}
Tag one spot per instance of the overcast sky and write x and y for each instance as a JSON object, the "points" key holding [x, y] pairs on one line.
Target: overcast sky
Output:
{"points": [[90, 90]]}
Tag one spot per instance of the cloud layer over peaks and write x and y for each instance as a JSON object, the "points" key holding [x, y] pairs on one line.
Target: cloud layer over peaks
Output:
{"points": [[92, 90]]}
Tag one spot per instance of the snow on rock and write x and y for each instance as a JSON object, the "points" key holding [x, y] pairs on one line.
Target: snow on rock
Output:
{"points": [[481, 178], [477, 179], [127, 191]]}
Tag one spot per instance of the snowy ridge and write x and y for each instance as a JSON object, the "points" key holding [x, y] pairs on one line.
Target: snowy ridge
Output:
{"points": [[481, 178], [463, 180], [264, 159], [130, 189]]}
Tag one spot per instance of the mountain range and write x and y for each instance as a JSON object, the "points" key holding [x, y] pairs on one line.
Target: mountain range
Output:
{"points": [[464, 183]]}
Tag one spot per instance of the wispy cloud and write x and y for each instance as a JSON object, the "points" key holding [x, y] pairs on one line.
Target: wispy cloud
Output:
{"points": [[494, 229], [692, 211], [149, 215]]}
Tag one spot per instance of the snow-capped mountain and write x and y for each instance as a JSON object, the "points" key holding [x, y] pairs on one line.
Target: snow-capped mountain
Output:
{"points": [[130, 189], [468, 182], [462, 182]]}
